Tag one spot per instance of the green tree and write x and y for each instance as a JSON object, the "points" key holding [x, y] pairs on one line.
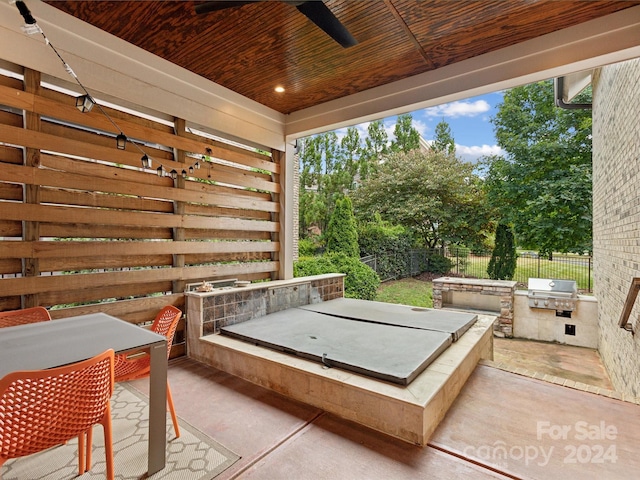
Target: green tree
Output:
{"points": [[407, 137], [543, 184], [433, 194], [374, 149], [350, 148], [322, 179], [342, 235], [503, 262], [443, 139]]}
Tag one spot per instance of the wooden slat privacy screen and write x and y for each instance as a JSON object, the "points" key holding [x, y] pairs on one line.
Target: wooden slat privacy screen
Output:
{"points": [[84, 226]]}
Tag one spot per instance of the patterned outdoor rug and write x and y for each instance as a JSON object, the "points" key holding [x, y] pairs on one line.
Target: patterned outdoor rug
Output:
{"points": [[193, 456]]}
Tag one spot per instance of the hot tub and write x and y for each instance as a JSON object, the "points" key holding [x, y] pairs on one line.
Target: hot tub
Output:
{"points": [[388, 342]]}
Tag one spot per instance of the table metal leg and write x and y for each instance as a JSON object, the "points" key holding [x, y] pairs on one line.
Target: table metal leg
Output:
{"points": [[158, 408]]}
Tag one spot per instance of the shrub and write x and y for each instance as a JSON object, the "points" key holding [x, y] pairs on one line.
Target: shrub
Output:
{"points": [[307, 266], [504, 260], [341, 234], [437, 263], [389, 243], [308, 247], [376, 237], [361, 281]]}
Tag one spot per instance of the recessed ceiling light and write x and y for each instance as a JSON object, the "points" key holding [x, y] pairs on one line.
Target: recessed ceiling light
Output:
{"points": [[279, 89]]}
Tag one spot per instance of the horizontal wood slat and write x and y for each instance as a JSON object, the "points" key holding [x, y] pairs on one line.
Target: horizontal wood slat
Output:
{"points": [[97, 199], [110, 262], [57, 230], [40, 176], [58, 214], [94, 119], [45, 249], [131, 310], [97, 232], [57, 283], [108, 292]]}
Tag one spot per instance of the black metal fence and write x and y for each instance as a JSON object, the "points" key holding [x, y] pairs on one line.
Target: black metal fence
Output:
{"points": [[530, 265], [396, 265]]}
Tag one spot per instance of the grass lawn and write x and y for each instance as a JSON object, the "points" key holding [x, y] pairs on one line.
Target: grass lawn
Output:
{"points": [[407, 291]]}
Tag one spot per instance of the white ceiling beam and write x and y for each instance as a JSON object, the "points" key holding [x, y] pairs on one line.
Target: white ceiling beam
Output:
{"points": [[574, 83]]}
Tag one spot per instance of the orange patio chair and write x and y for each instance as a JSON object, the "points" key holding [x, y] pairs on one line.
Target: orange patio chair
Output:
{"points": [[45, 408], [24, 316], [138, 366], [12, 318]]}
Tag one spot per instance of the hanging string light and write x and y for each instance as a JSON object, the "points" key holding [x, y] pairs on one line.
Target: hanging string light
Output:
{"points": [[121, 141], [86, 102]]}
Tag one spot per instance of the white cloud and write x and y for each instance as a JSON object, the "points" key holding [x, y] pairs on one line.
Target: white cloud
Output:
{"points": [[420, 126], [388, 124], [389, 127], [473, 153], [361, 128], [459, 109]]}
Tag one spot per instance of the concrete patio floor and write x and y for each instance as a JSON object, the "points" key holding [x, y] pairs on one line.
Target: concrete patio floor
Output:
{"points": [[543, 358], [502, 425]]}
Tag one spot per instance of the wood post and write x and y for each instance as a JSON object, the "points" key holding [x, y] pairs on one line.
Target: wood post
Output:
{"points": [[31, 193]]}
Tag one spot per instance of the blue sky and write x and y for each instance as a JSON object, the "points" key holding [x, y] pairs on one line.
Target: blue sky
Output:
{"points": [[468, 120]]}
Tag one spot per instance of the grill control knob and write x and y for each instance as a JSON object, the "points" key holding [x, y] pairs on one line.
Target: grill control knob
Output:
{"points": [[546, 303]]}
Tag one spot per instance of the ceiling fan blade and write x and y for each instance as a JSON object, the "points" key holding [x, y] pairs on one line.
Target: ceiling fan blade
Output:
{"points": [[207, 7], [320, 14], [314, 10]]}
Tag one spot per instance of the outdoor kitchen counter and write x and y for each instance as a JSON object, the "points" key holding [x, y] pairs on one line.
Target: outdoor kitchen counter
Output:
{"points": [[578, 327], [482, 295]]}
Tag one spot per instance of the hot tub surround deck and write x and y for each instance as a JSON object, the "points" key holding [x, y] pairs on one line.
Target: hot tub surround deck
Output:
{"points": [[410, 413]]}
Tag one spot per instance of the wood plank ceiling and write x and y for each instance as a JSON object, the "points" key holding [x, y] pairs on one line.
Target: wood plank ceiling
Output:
{"points": [[253, 48]]}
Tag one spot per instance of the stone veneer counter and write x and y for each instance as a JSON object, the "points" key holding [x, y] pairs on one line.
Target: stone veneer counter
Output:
{"points": [[478, 295], [207, 312]]}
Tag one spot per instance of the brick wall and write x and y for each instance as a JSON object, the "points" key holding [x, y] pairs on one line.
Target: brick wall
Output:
{"points": [[616, 216]]}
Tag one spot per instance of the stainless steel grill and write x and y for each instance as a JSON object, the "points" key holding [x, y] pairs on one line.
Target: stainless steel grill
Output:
{"points": [[552, 294]]}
